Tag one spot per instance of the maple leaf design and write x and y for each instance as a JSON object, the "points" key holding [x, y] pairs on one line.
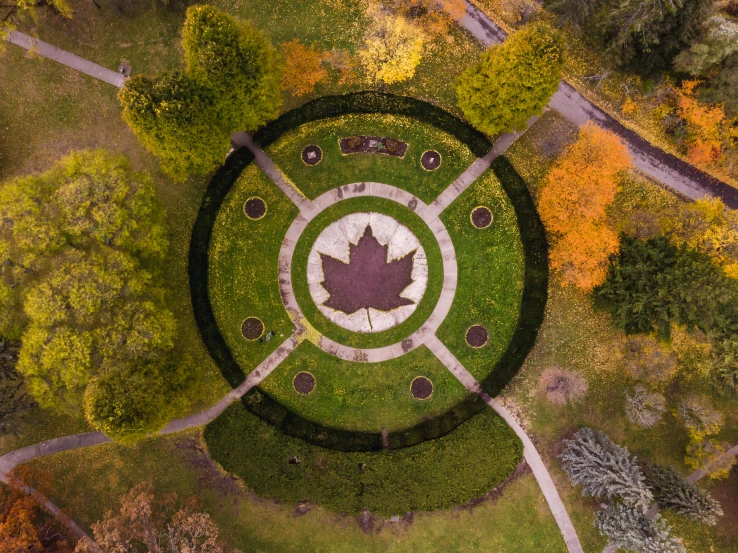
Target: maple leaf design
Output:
{"points": [[368, 279]]}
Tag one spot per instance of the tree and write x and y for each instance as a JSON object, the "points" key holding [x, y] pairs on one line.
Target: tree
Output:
{"points": [[709, 455], [718, 43], [699, 416], [435, 17], [628, 527], [573, 202], [175, 118], [15, 400], [17, 11], [672, 492], [604, 469], [303, 68], [647, 358], [130, 404], [513, 80], [235, 62], [154, 523], [652, 284], [644, 408], [392, 50]]}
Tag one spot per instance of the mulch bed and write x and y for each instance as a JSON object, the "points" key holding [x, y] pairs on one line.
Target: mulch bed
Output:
{"points": [[421, 388], [430, 160], [481, 217], [312, 155], [373, 145], [304, 383], [252, 328], [255, 208], [477, 336]]}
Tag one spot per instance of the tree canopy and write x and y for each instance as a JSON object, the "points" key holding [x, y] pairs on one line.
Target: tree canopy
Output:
{"points": [[513, 80]]}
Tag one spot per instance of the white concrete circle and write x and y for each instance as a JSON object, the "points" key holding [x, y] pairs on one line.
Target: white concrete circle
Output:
{"points": [[335, 240]]}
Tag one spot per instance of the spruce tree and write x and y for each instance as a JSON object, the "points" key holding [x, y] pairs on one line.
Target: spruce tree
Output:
{"points": [[604, 469], [672, 492], [628, 527]]}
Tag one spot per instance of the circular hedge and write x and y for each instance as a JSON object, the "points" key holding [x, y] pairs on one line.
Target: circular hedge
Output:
{"points": [[534, 287]]}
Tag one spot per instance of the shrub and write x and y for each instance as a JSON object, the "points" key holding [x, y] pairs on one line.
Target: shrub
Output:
{"points": [[354, 142], [465, 463], [512, 81], [562, 386], [644, 408], [393, 146]]}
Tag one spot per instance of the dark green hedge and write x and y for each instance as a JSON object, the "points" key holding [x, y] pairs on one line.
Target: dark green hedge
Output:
{"points": [[462, 465], [375, 102], [534, 294]]}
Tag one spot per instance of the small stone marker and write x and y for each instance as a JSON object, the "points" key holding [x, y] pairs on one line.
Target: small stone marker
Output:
{"points": [[395, 518], [125, 68], [294, 460], [311, 155]]}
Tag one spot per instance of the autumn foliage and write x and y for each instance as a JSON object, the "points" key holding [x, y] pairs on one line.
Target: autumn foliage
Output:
{"points": [[573, 202], [303, 68]]}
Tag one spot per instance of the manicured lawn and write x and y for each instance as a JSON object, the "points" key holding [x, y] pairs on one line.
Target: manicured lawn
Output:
{"points": [[337, 169], [441, 473], [491, 268], [243, 268], [364, 396], [392, 335]]}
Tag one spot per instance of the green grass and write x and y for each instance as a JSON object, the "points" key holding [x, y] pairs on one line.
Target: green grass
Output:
{"points": [[337, 169], [243, 260], [517, 522], [364, 396], [491, 269], [389, 336], [463, 464]]}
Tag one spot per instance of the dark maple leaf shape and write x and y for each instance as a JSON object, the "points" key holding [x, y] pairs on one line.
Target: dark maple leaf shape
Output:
{"points": [[367, 280]]}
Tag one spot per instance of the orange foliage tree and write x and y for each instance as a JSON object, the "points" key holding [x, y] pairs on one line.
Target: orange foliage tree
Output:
{"points": [[303, 68], [21, 528], [435, 17], [573, 201]]}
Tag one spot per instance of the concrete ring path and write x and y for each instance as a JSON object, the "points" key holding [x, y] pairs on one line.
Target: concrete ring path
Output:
{"points": [[448, 255]]}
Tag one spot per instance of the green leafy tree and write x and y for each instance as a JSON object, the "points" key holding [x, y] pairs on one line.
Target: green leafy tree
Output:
{"points": [[512, 81], [718, 43], [628, 527], [672, 492], [176, 119], [236, 62]]}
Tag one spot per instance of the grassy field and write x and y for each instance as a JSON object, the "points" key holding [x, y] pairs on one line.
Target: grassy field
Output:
{"points": [[364, 396], [337, 168], [243, 269], [491, 268], [389, 336]]}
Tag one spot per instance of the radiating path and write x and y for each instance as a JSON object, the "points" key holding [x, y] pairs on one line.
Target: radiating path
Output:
{"points": [[532, 457]]}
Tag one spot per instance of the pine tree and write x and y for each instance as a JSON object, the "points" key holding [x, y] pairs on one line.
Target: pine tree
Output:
{"points": [[604, 469], [672, 492], [628, 527]]}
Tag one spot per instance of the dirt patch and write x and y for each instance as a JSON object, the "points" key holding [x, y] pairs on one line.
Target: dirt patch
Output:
{"points": [[477, 336], [430, 160], [726, 492], [373, 145], [562, 386], [252, 328], [209, 474], [557, 448], [421, 387], [312, 155], [481, 217], [255, 208], [304, 383]]}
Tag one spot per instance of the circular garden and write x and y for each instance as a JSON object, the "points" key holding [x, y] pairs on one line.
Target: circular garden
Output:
{"points": [[345, 293]]}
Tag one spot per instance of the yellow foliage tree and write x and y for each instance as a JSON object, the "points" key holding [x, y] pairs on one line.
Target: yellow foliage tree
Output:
{"points": [[303, 68], [393, 48], [573, 202]]}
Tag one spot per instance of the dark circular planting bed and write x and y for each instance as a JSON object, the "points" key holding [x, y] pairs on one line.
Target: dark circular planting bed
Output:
{"points": [[477, 336], [430, 160], [304, 383], [254, 208], [532, 306], [312, 155], [421, 387], [481, 217], [252, 328]]}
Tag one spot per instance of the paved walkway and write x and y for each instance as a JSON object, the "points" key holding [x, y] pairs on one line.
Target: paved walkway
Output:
{"points": [[649, 159], [67, 58]]}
